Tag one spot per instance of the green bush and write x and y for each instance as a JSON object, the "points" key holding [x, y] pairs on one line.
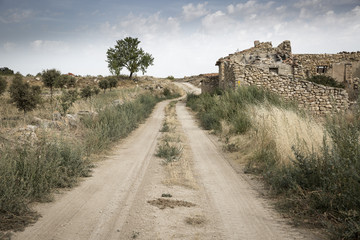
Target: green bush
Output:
{"points": [[326, 81], [3, 85]]}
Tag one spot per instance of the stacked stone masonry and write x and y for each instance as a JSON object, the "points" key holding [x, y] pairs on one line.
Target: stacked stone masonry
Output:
{"points": [[284, 73]]}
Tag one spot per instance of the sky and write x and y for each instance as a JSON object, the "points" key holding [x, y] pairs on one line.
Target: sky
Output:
{"points": [[184, 37]]}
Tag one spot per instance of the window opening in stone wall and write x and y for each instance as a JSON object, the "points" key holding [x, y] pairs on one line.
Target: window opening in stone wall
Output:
{"points": [[321, 69], [274, 70]]}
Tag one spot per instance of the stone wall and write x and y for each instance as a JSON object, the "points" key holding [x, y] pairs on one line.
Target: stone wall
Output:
{"points": [[209, 83], [342, 66], [315, 97]]}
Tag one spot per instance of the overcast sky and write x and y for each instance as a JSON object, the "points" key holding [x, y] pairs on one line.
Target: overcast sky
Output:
{"points": [[185, 37]]}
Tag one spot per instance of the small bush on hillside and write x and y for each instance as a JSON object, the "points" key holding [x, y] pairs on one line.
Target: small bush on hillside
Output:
{"points": [[50, 78], [104, 84], [3, 85], [96, 90], [326, 81], [113, 82], [67, 99], [171, 77], [166, 92], [6, 71], [86, 92], [26, 98]]}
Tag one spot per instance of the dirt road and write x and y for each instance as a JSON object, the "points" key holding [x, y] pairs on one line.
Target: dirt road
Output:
{"points": [[123, 199]]}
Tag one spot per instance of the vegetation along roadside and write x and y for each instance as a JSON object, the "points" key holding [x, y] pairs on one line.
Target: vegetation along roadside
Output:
{"points": [[312, 167], [54, 158]]}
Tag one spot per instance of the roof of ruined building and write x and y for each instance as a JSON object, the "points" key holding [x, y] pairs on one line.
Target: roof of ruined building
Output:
{"points": [[267, 47]]}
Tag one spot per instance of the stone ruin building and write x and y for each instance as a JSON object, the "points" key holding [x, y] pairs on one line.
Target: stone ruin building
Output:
{"points": [[280, 71]]}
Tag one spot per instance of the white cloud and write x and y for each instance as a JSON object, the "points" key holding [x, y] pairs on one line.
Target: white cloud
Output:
{"points": [[356, 11], [151, 26], [192, 11], [9, 46]]}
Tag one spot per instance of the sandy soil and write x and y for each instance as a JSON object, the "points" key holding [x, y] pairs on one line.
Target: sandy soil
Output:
{"points": [[123, 199]]}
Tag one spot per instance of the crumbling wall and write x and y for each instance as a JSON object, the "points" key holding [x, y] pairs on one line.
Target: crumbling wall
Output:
{"points": [[209, 83], [334, 63], [315, 97]]}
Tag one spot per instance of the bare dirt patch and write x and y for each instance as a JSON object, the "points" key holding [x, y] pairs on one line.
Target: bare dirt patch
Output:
{"points": [[164, 203]]}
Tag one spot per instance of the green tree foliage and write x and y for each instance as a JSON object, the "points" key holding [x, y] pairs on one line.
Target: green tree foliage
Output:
{"points": [[127, 53], [63, 81], [25, 97], [104, 84], [67, 99], [3, 85], [113, 82], [86, 92], [6, 71], [50, 78]]}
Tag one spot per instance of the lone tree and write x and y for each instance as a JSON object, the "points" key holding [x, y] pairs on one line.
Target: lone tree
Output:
{"points": [[3, 85], [50, 78], [127, 53], [25, 97]]}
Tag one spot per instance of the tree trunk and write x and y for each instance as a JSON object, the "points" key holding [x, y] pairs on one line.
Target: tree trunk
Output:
{"points": [[131, 73]]}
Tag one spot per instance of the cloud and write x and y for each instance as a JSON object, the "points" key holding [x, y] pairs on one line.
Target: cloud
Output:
{"points": [[9, 46], [57, 47], [191, 11], [150, 27], [250, 7], [16, 15]]}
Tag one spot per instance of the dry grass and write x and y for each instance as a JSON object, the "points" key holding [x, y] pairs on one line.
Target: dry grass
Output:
{"points": [[178, 172], [287, 129]]}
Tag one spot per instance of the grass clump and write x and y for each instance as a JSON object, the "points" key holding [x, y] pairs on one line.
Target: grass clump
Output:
{"points": [[168, 152]]}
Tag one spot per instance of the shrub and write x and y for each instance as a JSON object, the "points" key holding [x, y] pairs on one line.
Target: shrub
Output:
{"points": [[104, 84], [86, 92], [113, 82], [326, 81], [3, 85], [67, 99], [169, 153], [171, 77], [6, 71], [26, 98], [50, 78]]}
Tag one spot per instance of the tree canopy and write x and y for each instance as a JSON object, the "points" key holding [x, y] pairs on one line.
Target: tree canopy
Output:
{"points": [[25, 97], [50, 78], [126, 53]]}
